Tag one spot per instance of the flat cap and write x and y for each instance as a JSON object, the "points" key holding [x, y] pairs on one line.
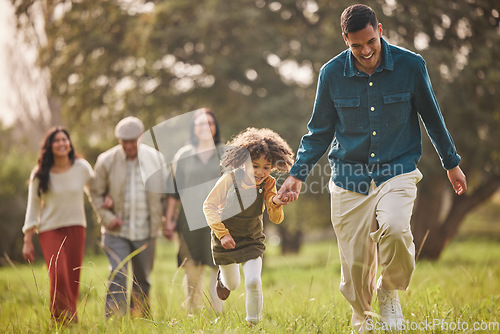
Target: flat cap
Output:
{"points": [[129, 128]]}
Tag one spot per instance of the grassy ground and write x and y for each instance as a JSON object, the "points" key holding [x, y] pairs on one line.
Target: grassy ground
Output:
{"points": [[300, 295]]}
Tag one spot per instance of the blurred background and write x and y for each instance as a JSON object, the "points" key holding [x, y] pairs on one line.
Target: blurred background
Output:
{"points": [[86, 64]]}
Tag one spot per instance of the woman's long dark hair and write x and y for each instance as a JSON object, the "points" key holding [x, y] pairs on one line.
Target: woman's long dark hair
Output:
{"points": [[46, 159], [193, 138]]}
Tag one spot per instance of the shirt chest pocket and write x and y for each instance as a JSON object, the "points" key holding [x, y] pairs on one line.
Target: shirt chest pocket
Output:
{"points": [[348, 111], [397, 108]]}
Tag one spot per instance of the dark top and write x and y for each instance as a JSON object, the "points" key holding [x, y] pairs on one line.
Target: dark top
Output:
{"points": [[193, 182], [372, 121]]}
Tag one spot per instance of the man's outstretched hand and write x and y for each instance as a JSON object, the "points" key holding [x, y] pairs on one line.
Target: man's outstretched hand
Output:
{"points": [[457, 180], [290, 189]]}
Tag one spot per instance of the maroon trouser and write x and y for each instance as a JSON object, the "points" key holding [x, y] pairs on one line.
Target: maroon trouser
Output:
{"points": [[63, 250]]}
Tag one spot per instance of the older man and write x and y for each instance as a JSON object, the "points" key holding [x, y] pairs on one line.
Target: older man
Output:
{"points": [[130, 217]]}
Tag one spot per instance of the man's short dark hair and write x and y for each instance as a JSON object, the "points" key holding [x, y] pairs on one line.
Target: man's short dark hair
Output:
{"points": [[357, 17]]}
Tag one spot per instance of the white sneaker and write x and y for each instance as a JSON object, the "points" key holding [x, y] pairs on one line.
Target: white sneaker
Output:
{"points": [[358, 323], [390, 307]]}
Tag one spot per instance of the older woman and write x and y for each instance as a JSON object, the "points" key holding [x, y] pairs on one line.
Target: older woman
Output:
{"points": [[196, 166], [56, 212]]}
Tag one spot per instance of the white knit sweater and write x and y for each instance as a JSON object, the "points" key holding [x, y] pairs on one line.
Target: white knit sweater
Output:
{"points": [[62, 205]]}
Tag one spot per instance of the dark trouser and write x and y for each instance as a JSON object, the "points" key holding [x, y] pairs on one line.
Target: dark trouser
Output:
{"points": [[117, 250], [63, 250]]}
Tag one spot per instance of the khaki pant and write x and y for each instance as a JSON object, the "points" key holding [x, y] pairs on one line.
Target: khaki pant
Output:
{"points": [[194, 275], [361, 222]]}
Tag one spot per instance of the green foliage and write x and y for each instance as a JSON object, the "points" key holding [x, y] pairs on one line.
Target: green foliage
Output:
{"points": [[14, 175], [462, 50], [484, 222], [300, 295], [109, 59]]}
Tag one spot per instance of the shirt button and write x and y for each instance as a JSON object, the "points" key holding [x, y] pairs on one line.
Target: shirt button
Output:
{"points": [[371, 84], [372, 108], [372, 155], [374, 133]]}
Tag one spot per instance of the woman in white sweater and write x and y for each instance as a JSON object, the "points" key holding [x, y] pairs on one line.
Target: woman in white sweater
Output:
{"points": [[56, 212]]}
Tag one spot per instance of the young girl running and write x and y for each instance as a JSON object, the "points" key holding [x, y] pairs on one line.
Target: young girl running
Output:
{"points": [[234, 210]]}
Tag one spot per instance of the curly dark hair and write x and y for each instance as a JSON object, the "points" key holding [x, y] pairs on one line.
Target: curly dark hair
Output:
{"points": [[257, 142], [46, 159]]}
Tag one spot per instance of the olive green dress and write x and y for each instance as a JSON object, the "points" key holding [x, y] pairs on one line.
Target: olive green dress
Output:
{"points": [[246, 228]]}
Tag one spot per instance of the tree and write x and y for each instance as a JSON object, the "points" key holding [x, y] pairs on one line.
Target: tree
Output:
{"points": [[14, 173], [255, 64], [108, 60], [459, 43]]}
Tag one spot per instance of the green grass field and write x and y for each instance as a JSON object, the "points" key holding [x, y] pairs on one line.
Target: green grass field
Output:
{"points": [[301, 295]]}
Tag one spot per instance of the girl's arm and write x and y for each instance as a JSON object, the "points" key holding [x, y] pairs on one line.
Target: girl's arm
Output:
{"points": [[274, 208], [215, 201], [227, 242]]}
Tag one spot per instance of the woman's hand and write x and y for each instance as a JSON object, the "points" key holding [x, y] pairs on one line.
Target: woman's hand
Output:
{"points": [[169, 229], [227, 241], [28, 248]]}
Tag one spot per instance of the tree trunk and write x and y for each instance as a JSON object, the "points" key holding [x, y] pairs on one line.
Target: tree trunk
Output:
{"points": [[426, 215], [291, 240], [291, 235], [439, 213]]}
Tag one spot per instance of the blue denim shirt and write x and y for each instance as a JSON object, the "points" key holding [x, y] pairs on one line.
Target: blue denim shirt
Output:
{"points": [[372, 121]]}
